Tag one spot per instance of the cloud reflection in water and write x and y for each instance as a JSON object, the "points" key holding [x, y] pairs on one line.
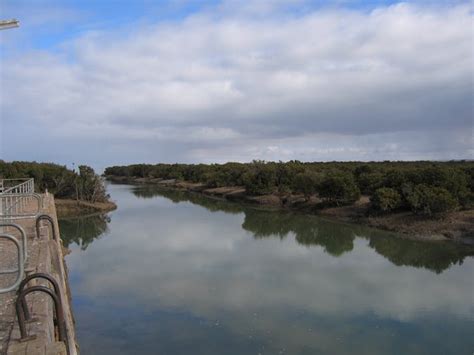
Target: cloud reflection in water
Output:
{"points": [[255, 281]]}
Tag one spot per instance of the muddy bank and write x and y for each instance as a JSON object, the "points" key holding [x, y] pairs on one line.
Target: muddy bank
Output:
{"points": [[72, 208], [457, 226]]}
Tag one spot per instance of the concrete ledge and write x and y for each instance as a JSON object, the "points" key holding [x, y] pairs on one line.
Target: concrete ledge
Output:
{"points": [[46, 256]]}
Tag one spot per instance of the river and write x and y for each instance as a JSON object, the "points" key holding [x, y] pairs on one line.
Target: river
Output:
{"points": [[175, 273]]}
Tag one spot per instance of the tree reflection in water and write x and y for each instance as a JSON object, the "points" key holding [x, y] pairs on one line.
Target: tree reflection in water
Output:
{"points": [[335, 238], [177, 196], [83, 230]]}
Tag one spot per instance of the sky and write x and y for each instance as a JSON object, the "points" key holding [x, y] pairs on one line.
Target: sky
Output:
{"points": [[118, 82]]}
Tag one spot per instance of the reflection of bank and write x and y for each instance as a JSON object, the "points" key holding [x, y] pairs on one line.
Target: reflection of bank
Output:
{"points": [[83, 230], [177, 196], [335, 238]]}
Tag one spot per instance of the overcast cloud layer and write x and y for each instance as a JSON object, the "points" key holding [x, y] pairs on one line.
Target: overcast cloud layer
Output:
{"points": [[240, 83]]}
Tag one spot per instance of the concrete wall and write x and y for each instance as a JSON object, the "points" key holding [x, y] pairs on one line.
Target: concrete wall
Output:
{"points": [[46, 255]]}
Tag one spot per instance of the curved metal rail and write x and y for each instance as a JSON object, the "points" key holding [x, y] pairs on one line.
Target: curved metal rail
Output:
{"points": [[21, 265], [27, 279], [24, 243], [61, 324], [50, 220]]}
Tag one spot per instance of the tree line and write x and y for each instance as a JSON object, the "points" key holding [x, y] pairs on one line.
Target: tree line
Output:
{"points": [[83, 184], [424, 187]]}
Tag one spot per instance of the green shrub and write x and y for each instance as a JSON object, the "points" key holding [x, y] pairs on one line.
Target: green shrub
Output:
{"points": [[260, 179], [369, 182], [455, 181], [339, 188], [285, 176], [386, 199], [307, 183], [394, 178], [467, 200], [429, 200]]}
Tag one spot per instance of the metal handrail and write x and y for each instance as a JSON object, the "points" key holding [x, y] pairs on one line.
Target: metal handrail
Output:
{"points": [[15, 197], [50, 220], [21, 265], [12, 206], [57, 305], [24, 243], [25, 185], [27, 279]]}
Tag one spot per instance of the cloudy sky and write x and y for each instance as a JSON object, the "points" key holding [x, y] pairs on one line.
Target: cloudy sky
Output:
{"points": [[115, 82]]}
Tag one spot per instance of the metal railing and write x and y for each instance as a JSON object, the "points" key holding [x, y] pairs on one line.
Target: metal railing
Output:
{"points": [[20, 263], [17, 186], [22, 307], [19, 206], [15, 199], [22, 248], [45, 217], [24, 283], [23, 313], [24, 244]]}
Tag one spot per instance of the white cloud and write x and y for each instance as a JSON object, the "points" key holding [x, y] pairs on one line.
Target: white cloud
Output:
{"points": [[240, 82]]}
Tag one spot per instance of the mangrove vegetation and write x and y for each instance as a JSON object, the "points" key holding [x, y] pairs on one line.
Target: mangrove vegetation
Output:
{"points": [[424, 188]]}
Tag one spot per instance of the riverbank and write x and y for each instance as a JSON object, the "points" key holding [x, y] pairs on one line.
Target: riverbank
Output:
{"points": [[457, 226], [72, 208]]}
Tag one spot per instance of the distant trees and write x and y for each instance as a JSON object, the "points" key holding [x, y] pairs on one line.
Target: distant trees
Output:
{"points": [[55, 178], [390, 185], [85, 184]]}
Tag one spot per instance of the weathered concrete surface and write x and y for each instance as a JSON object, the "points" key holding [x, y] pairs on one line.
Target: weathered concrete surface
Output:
{"points": [[44, 255]]}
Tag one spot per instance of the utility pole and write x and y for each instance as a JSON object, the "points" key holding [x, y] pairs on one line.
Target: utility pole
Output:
{"points": [[6, 24]]}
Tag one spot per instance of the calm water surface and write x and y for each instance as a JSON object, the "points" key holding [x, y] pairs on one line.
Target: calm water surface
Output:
{"points": [[176, 273]]}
